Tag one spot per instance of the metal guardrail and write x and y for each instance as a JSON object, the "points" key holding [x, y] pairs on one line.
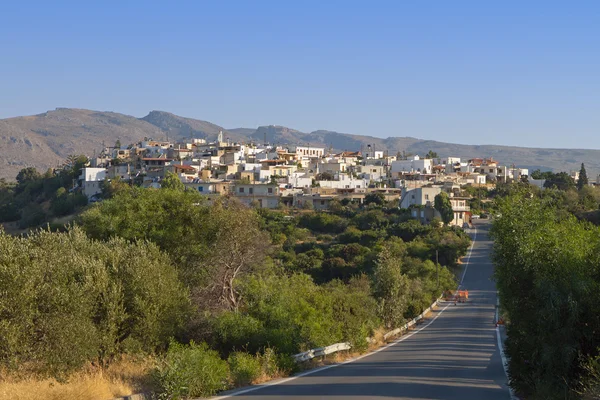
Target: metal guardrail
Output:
{"points": [[334, 348], [321, 351]]}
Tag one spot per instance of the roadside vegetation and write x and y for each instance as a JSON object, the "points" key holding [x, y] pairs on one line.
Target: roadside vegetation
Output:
{"points": [[546, 254], [36, 199], [209, 295]]}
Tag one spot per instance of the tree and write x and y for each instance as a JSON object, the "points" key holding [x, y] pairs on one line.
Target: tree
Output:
{"points": [[27, 175], [324, 176], [583, 179], [431, 155], [391, 288], [375, 198], [443, 205], [561, 181], [212, 245], [171, 181]]}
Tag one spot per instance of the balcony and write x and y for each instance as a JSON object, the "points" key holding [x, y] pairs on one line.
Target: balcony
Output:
{"points": [[461, 208]]}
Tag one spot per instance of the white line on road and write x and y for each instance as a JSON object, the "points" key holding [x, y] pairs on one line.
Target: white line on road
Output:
{"points": [[468, 258], [501, 348]]}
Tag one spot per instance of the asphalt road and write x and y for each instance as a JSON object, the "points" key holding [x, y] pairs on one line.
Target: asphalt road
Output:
{"points": [[453, 357]]}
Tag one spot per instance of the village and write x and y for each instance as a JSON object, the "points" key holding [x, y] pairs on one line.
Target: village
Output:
{"points": [[304, 177]]}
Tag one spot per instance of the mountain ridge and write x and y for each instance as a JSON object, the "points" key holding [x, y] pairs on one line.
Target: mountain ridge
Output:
{"points": [[45, 140]]}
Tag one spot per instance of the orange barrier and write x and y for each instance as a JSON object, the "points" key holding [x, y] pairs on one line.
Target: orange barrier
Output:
{"points": [[462, 296]]}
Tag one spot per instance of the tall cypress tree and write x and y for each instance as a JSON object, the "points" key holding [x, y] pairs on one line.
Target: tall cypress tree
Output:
{"points": [[583, 179]]}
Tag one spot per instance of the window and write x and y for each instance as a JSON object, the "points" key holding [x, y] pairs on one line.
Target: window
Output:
{"points": [[241, 190], [250, 190], [491, 169], [322, 202], [200, 189], [426, 197], [270, 190]]}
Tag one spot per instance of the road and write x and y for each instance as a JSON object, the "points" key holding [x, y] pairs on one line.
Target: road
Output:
{"points": [[454, 356]]}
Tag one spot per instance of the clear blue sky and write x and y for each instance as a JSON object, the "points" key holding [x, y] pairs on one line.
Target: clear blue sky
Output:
{"points": [[514, 73]]}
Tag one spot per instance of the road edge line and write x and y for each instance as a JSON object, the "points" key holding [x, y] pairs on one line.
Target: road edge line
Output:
{"points": [[474, 239], [502, 354]]}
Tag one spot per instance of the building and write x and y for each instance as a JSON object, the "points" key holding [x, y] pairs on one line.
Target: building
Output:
{"points": [[421, 201], [414, 165], [91, 181], [264, 195], [307, 151]]}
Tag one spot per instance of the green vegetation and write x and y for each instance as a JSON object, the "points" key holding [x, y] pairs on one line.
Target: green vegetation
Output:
{"points": [[443, 205], [548, 277], [583, 179], [36, 198], [220, 293], [68, 300]]}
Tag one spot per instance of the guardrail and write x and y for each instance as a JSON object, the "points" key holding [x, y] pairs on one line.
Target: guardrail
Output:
{"points": [[321, 351], [334, 348]]}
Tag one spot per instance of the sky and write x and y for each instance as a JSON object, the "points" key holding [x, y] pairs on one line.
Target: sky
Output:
{"points": [[474, 72]]}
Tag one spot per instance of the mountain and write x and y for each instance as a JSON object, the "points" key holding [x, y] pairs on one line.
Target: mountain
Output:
{"points": [[45, 140], [180, 127]]}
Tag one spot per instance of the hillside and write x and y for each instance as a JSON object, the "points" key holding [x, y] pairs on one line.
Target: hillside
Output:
{"points": [[180, 127], [45, 140]]}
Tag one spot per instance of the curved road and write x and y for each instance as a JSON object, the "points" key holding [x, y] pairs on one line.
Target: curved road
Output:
{"points": [[454, 355]]}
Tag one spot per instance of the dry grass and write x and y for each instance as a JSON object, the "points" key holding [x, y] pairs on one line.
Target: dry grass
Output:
{"points": [[122, 378]]}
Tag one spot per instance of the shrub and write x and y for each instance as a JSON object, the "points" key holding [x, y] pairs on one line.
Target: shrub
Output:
{"points": [[32, 215], [244, 367], [324, 238], [236, 331], [323, 222], [67, 300], [190, 371]]}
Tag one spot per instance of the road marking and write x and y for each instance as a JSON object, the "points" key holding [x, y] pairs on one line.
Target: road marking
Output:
{"points": [[314, 371], [468, 258], [501, 349]]}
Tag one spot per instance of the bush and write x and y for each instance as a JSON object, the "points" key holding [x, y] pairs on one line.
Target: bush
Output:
{"points": [[236, 331], [244, 367], [323, 222], [190, 371], [32, 215], [67, 300]]}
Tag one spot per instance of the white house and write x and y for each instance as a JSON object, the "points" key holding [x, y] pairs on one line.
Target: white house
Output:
{"points": [[345, 182], [91, 180], [307, 151], [423, 166]]}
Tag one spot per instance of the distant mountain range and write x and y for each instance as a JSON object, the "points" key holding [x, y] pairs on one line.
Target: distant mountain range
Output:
{"points": [[45, 140]]}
